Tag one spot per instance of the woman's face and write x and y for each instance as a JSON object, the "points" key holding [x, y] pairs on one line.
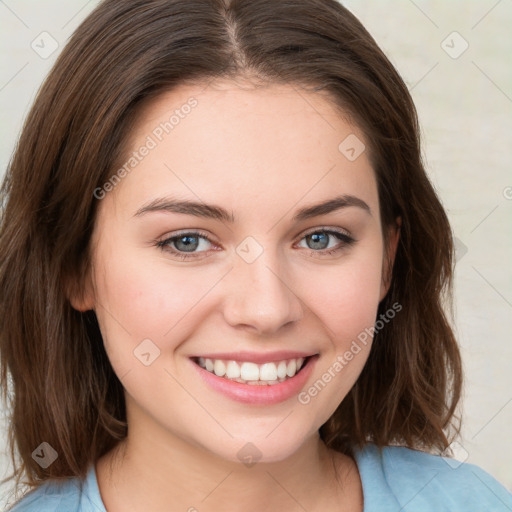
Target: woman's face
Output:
{"points": [[268, 277]]}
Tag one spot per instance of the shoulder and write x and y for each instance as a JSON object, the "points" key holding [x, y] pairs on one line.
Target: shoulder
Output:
{"points": [[51, 497], [411, 480], [71, 495]]}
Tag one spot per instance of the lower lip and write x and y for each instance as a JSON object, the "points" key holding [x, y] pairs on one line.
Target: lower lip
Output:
{"points": [[258, 394]]}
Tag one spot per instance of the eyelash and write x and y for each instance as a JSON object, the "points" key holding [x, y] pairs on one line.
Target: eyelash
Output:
{"points": [[345, 239]]}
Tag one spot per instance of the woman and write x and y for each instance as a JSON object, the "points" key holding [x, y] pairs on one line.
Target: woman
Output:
{"points": [[224, 269]]}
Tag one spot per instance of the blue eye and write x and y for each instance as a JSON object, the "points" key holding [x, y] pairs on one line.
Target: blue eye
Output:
{"points": [[185, 244], [318, 241], [188, 245]]}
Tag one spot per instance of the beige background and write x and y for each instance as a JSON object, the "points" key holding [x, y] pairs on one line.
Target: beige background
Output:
{"points": [[464, 99]]}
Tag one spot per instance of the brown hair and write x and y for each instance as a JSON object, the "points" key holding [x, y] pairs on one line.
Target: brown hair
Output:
{"points": [[56, 376]]}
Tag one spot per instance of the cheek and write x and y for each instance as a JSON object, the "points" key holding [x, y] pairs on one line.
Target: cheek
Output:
{"points": [[345, 300], [145, 298], [346, 296], [142, 297]]}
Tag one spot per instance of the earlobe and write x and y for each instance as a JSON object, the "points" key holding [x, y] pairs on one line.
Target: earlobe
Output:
{"points": [[81, 304], [389, 257], [80, 295]]}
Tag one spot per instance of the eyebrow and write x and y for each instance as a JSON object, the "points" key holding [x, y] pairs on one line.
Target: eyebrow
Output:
{"points": [[211, 211]]}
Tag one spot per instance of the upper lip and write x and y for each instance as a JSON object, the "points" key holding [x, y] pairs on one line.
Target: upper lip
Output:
{"points": [[256, 357]]}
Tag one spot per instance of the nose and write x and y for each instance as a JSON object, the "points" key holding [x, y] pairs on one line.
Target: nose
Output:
{"points": [[260, 295]]}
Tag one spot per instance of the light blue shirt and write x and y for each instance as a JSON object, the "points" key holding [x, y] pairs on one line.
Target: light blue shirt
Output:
{"points": [[395, 479]]}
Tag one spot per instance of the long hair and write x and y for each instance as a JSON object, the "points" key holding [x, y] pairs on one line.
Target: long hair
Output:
{"points": [[56, 377]]}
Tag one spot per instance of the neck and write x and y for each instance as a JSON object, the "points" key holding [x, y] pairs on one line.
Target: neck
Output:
{"points": [[147, 471]]}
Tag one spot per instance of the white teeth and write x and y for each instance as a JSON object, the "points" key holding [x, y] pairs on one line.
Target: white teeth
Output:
{"points": [[249, 371], [291, 368], [219, 368], [281, 370], [268, 371], [233, 370], [252, 373]]}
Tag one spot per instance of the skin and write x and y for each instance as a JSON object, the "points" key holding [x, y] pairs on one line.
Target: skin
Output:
{"points": [[261, 153]]}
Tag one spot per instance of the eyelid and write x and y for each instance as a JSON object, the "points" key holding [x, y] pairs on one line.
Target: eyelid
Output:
{"points": [[182, 232], [204, 234], [162, 243], [326, 229], [344, 237]]}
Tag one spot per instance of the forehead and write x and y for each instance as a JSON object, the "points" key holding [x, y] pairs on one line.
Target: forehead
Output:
{"points": [[237, 142]]}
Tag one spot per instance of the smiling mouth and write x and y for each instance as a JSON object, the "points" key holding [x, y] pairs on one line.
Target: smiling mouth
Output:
{"points": [[244, 372]]}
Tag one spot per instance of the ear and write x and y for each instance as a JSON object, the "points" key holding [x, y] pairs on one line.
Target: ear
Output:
{"points": [[80, 292], [389, 256]]}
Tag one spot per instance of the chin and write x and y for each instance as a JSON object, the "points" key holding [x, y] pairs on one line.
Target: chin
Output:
{"points": [[256, 446]]}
